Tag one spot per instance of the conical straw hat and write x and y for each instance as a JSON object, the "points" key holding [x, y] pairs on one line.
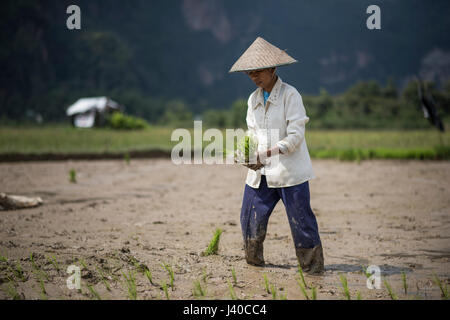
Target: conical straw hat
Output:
{"points": [[261, 55]]}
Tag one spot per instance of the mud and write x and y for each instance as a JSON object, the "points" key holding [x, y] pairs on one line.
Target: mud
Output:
{"points": [[121, 218]]}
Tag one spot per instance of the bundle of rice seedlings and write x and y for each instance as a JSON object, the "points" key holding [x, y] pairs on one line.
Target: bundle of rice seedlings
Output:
{"points": [[246, 149]]}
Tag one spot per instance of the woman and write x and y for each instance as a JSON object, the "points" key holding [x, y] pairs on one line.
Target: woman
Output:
{"points": [[277, 106]]}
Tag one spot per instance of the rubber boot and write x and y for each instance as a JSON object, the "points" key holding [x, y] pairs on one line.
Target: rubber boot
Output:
{"points": [[311, 260], [254, 252]]}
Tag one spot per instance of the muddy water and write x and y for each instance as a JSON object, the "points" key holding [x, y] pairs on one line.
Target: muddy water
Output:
{"points": [[119, 218]]}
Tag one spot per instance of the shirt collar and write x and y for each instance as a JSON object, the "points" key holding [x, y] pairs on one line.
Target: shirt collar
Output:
{"points": [[274, 94]]}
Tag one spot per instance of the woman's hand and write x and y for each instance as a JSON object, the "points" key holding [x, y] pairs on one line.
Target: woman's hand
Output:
{"points": [[255, 166], [262, 157]]}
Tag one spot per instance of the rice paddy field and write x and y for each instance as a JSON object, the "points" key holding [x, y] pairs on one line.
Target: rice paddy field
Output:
{"points": [[150, 229], [337, 144]]}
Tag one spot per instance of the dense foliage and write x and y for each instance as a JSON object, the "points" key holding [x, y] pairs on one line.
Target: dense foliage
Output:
{"points": [[364, 105], [167, 61]]}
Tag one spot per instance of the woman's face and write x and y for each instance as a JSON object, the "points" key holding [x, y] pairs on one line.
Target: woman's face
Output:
{"points": [[262, 78]]}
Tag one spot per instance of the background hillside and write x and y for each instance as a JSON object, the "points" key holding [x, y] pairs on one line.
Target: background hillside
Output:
{"points": [[155, 56]]}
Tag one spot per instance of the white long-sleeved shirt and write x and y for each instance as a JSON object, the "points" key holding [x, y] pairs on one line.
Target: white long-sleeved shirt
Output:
{"points": [[281, 122]]}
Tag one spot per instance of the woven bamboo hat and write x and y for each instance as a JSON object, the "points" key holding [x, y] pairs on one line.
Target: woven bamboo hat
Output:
{"points": [[261, 55]]}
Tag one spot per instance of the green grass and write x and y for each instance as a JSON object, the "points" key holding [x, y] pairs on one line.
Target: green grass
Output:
{"points": [[213, 246], [336, 144], [65, 139]]}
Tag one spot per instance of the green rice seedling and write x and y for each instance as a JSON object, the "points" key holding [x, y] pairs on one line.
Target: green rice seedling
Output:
{"points": [[169, 270], [198, 291], [283, 296], [18, 272], [444, 289], [3, 258], [53, 261], [130, 282], [302, 277], [139, 266], [313, 293], [358, 296], [273, 291], [232, 292], [302, 288], [94, 292], [266, 283], [42, 287], [345, 287], [213, 246], [38, 271], [105, 282], [390, 291], [73, 176], [127, 158], [405, 284], [364, 271], [233, 274], [148, 274], [164, 287], [83, 263], [247, 149], [33, 263], [205, 275], [11, 291]]}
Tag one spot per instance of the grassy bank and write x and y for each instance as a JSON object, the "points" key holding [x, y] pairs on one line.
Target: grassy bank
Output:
{"points": [[340, 144]]}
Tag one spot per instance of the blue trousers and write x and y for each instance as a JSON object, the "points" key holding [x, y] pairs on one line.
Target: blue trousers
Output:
{"points": [[258, 204]]}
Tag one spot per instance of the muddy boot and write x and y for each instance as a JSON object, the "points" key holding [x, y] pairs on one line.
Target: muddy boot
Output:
{"points": [[254, 252], [311, 260]]}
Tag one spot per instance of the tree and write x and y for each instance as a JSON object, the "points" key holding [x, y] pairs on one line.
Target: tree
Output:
{"points": [[239, 114]]}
